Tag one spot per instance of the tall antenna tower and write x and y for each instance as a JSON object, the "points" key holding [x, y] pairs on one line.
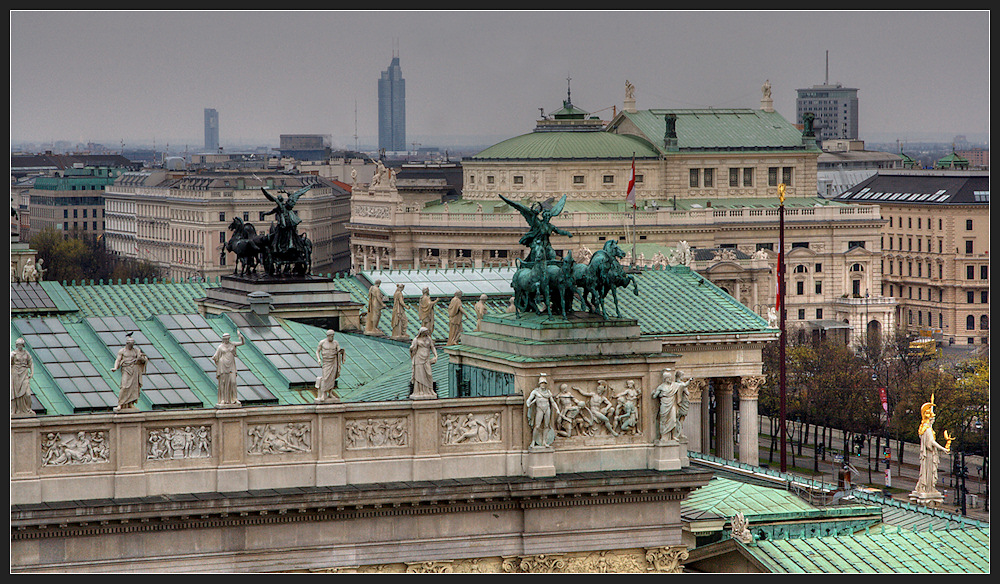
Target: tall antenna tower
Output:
{"points": [[355, 124]]}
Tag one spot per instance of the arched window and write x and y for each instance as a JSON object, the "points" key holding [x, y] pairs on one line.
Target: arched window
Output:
{"points": [[857, 268], [801, 269], [984, 322], [970, 323]]}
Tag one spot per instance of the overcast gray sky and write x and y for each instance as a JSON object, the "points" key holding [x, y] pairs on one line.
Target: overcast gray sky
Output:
{"points": [[146, 77]]}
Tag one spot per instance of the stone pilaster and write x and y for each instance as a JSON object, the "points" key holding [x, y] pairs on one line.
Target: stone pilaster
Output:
{"points": [[694, 423]]}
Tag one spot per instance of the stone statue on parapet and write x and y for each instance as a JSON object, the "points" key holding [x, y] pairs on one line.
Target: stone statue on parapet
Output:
{"points": [[331, 358], [545, 284], [225, 370], [740, 528], [541, 409], [132, 362], [376, 302], [22, 368], [925, 492], [423, 355]]}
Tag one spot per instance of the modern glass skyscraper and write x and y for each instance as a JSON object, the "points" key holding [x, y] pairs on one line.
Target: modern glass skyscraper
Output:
{"points": [[392, 108], [211, 130]]}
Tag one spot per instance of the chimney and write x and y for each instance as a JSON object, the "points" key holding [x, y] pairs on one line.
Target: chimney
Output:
{"points": [[260, 303]]}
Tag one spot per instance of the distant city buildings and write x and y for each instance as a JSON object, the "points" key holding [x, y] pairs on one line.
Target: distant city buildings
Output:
{"points": [[705, 177], [211, 130], [845, 163], [392, 109], [313, 147]]}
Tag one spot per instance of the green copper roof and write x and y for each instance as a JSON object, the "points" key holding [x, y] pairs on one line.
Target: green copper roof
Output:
{"points": [[139, 300], [569, 145], [877, 551], [721, 129]]}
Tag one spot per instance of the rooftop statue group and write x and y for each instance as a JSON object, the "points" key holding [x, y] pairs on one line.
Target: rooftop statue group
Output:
{"points": [[545, 284], [282, 251]]}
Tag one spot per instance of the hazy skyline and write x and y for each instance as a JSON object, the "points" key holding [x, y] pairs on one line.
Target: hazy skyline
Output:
{"points": [[143, 77]]}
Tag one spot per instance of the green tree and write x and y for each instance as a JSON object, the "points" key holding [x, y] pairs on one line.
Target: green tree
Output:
{"points": [[79, 257]]}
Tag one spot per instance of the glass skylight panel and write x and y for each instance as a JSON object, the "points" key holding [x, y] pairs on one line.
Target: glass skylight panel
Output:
{"points": [[161, 384], [200, 342], [75, 376], [295, 363]]}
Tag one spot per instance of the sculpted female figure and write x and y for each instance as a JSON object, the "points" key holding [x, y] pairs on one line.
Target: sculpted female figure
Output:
{"points": [[423, 354], [22, 368], [425, 310], [331, 357], [225, 362], [930, 451]]}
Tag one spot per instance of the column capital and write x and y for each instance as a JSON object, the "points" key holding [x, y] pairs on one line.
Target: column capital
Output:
{"points": [[697, 388], [750, 386], [724, 384]]}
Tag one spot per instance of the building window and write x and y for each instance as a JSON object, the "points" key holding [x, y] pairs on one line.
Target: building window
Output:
{"points": [[968, 224], [693, 177], [984, 323], [786, 175], [578, 179], [970, 296], [734, 177], [970, 323], [802, 314], [968, 247], [609, 179], [74, 213], [772, 176], [970, 272], [819, 268], [748, 177], [638, 178], [984, 297], [222, 237], [519, 180], [799, 288], [708, 178], [819, 314], [819, 286], [490, 179], [853, 244], [801, 269], [796, 244], [222, 216], [984, 272], [261, 215]]}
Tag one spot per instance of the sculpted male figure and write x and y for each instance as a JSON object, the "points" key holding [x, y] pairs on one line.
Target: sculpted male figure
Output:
{"points": [[331, 358], [132, 361], [666, 392], [22, 368], [541, 408], [225, 362], [480, 310]]}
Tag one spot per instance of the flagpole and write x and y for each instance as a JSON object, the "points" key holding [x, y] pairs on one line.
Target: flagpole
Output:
{"points": [[631, 193], [781, 320]]}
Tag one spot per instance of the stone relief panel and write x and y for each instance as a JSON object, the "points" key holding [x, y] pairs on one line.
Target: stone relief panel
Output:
{"points": [[598, 410], [279, 438], [179, 442], [376, 433], [470, 428], [85, 447], [371, 211]]}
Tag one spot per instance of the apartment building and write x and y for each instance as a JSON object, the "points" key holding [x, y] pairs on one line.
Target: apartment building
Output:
{"points": [[935, 243], [181, 222]]}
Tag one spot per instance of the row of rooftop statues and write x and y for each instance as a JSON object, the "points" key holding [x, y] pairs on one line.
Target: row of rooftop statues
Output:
{"points": [[425, 313]]}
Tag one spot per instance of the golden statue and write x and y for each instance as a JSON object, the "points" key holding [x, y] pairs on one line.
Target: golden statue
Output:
{"points": [[781, 193], [925, 491]]}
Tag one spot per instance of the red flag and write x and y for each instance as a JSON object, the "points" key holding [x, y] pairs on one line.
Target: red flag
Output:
{"points": [[630, 195]]}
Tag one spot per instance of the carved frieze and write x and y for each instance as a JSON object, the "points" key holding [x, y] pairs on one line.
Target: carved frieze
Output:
{"points": [[375, 211], [598, 410], [376, 433], [84, 447], [179, 442], [470, 428], [278, 438]]}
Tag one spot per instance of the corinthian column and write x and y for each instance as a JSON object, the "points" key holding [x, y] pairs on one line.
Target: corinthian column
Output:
{"points": [[724, 417], [693, 428], [749, 448]]}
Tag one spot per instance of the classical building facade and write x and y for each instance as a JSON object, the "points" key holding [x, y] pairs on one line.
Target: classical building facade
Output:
{"points": [[705, 177], [181, 222], [71, 201], [935, 249]]}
